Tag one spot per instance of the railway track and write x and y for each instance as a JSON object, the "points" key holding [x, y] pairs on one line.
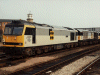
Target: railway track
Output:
{"points": [[9, 61], [2, 55], [87, 67], [6, 60], [43, 68], [14, 60]]}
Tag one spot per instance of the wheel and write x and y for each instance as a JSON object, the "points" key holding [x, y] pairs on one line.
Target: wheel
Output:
{"points": [[38, 51], [90, 43], [68, 46], [72, 46], [84, 44], [46, 50], [28, 52], [81, 44], [97, 42], [75, 45]]}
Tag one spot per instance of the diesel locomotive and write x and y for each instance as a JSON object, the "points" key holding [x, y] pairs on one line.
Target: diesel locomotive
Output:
{"points": [[21, 37]]}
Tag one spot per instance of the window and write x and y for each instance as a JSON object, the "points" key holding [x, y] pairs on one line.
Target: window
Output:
{"points": [[8, 30], [29, 31], [72, 36], [17, 30], [13, 30]]}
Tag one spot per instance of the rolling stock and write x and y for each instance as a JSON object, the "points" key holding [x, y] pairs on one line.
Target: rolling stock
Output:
{"points": [[21, 37]]}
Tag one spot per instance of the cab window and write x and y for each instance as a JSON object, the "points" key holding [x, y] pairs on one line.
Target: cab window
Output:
{"points": [[29, 31]]}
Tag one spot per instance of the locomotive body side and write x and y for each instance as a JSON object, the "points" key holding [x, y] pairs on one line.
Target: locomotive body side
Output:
{"points": [[44, 38], [28, 39], [89, 37]]}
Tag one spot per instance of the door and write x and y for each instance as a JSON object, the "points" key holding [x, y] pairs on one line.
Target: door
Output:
{"points": [[72, 36], [31, 31]]}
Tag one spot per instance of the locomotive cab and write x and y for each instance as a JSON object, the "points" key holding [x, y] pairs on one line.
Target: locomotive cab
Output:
{"points": [[13, 36]]}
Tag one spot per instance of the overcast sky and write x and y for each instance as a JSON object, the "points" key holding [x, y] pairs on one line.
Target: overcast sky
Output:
{"points": [[69, 13]]}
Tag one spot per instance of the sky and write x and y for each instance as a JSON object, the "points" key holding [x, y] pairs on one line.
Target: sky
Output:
{"points": [[68, 13]]}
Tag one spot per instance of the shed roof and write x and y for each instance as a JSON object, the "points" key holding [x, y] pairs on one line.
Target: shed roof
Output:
{"points": [[7, 20]]}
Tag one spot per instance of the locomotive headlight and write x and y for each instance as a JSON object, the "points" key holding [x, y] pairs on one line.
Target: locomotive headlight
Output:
{"points": [[3, 40], [4, 43], [20, 44]]}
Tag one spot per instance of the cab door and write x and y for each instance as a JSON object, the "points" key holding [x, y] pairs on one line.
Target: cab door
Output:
{"points": [[31, 34]]}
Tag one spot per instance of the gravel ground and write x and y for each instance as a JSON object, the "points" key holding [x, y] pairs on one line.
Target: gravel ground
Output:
{"points": [[93, 70], [34, 61], [77, 65]]}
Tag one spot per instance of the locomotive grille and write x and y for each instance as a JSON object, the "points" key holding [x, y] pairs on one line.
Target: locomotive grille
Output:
{"points": [[9, 43]]}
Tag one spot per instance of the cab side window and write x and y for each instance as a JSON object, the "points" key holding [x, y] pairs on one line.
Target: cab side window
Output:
{"points": [[29, 31]]}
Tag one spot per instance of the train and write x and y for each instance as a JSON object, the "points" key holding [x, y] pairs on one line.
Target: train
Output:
{"points": [[25, 38]]}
